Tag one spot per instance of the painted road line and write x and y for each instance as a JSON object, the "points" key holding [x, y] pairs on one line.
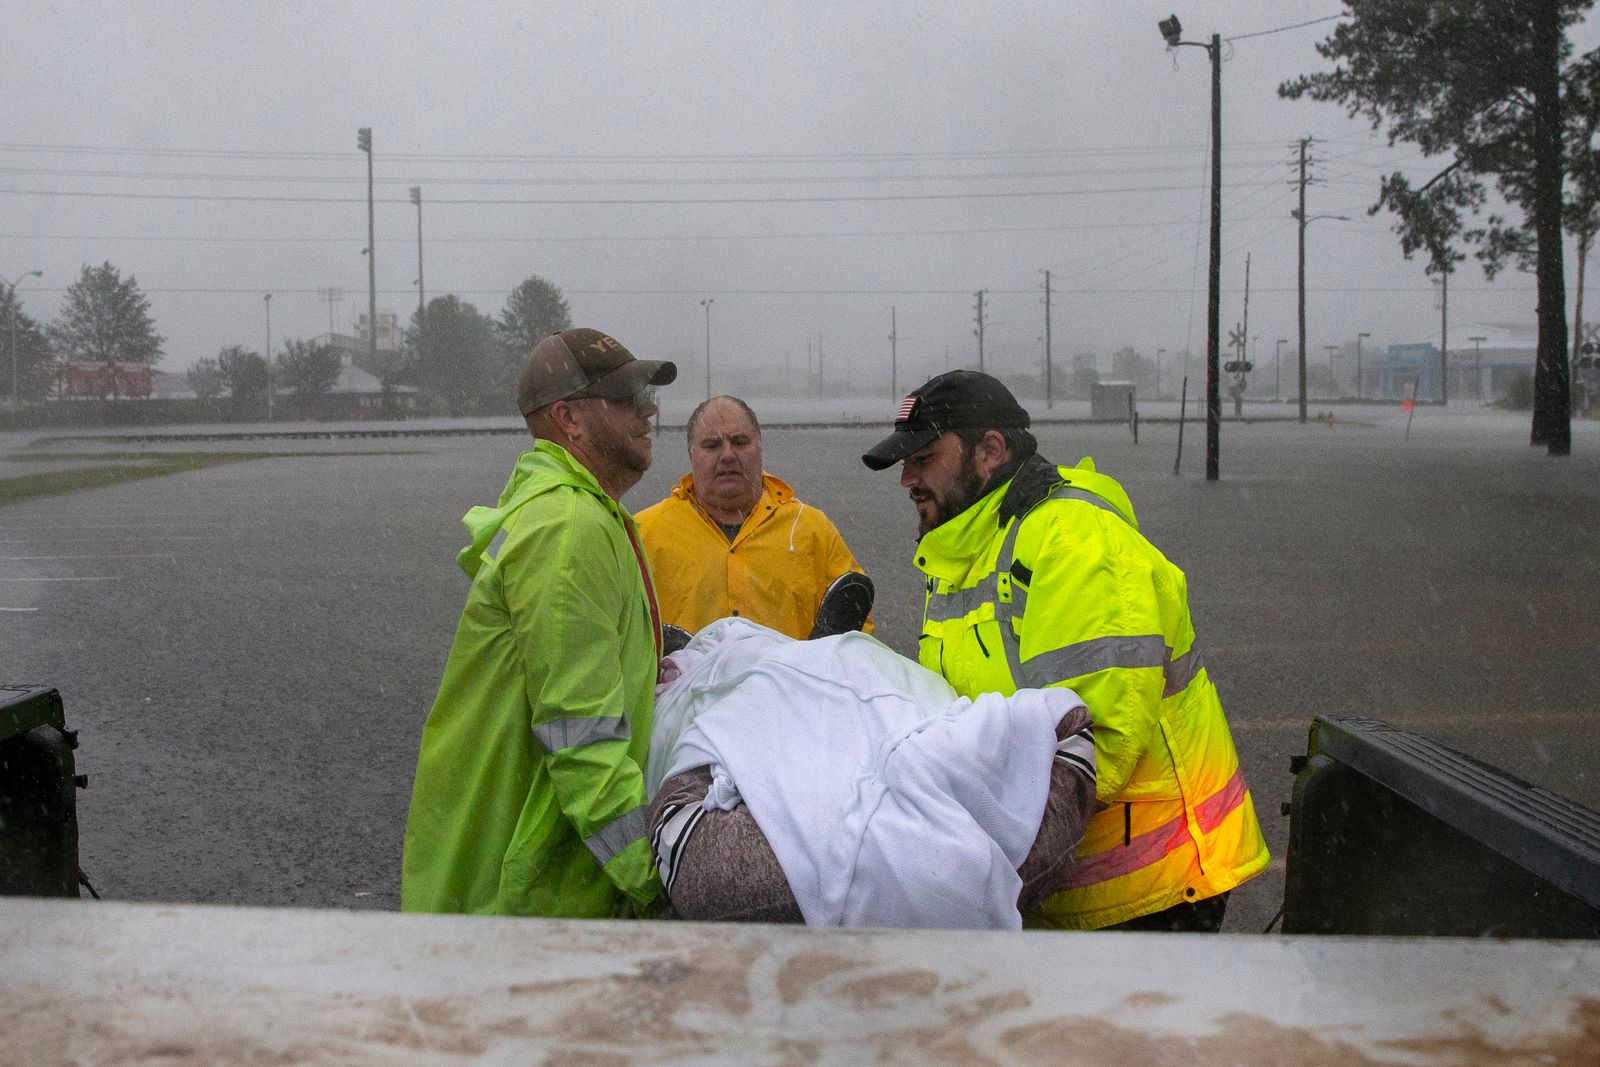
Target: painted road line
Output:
{"points": [[1419, 722], [131, 555], [47, 539], [119, 526], [19, 609], [95, 578]]}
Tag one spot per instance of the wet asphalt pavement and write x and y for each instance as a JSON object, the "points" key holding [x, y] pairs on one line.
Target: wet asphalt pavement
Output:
{"points": [[249, 651]]}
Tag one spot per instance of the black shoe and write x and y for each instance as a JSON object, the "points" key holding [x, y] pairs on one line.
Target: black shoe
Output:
{"points": [[845, 606]]}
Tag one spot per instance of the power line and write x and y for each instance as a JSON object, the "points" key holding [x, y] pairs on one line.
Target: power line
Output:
{"points": [[589, 159], [721, 290], [1285, 29], [606, 201], [348, 179], [587, 239]]}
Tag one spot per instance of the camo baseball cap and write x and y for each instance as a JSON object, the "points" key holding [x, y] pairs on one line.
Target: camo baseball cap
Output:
{"points": [[587, 362], [955, 400]]}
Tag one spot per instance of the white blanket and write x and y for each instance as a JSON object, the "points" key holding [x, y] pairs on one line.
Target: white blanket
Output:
{"points": [[888, 799]]}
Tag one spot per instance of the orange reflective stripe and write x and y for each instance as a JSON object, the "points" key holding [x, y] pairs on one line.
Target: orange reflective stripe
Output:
{"points": [[1150, 846]]}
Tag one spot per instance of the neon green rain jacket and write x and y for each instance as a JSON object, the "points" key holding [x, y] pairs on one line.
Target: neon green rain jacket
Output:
{"points": [[529, 798]]}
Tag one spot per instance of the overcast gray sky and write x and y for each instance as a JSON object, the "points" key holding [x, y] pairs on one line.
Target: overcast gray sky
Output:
{"points": [[875, 151]]}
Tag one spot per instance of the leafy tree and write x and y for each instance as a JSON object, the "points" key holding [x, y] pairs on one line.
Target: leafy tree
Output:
{"points": [[458, 359], [309, 368], [1129, 366], [1491, 84], [534, 310], [105, 318], [207, 380], [246, 373], [32, 352]]}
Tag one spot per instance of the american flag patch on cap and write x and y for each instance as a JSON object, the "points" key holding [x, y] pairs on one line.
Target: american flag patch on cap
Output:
{"points": [[907, 406]]}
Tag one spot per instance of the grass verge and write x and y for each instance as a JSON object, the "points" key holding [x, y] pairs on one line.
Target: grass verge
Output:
{"points": [[146, 465]]}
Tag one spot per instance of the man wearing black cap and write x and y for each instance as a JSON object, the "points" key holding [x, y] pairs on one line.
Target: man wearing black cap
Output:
{"points": [[529, 796], [1037, 576]]}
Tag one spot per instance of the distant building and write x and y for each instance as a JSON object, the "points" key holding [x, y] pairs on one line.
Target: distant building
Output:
{"points": [[359, 383], [388, 331], [1480, 375]]}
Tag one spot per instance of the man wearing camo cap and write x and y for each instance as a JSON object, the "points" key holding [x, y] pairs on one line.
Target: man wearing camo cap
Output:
{"points": [[561, 632]]}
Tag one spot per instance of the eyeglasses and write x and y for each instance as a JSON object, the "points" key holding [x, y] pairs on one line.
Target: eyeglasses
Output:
{"points": [[640, 394]]}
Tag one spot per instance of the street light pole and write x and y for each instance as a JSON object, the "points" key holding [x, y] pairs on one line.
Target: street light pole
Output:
{"points": [[706, 303], [1277, 369], [1159, 353], [1477, 363], [416, 198], [1359, 336], [1172, 32], [364, 143], [11, 303], [1305, 220], [1049, 363], [267, 300], [1333, 389]]}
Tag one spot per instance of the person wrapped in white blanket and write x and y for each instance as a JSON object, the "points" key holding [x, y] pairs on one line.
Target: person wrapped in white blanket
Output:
{"points": [[837, 783]]}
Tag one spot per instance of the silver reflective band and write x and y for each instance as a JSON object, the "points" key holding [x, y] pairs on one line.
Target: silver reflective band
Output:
{"points": [[1182, 671], [1089, 498], [605, 843], [942, 607], [558, 734], [1097, 654]]}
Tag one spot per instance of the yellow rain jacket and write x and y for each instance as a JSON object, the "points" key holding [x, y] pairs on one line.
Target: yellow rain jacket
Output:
{"points": [[529, 796], [774, 571], [1046, 581]]}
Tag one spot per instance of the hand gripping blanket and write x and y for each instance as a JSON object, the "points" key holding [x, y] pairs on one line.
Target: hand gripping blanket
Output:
{"points": [[884, 798]]}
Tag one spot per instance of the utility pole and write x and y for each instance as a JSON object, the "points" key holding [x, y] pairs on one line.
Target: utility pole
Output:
{"points": [[1049, 366], [364, 143], [267, 300], [1277, 369], [1300, 283], [894, 393], [416, 198], [979, 330], [332, 294], [1172, 31], [1214, 301], [822, 382], [1333, 390]]}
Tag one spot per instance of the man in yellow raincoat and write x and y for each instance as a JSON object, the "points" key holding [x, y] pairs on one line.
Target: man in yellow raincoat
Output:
{"points": [[529, 795], [733, 540]]}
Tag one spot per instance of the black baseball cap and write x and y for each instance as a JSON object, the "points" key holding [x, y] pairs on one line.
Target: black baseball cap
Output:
{"points": [[955, 400], [585, 361]]}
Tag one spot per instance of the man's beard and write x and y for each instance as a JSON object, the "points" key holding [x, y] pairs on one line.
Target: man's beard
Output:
{"points": [[968, 487]]}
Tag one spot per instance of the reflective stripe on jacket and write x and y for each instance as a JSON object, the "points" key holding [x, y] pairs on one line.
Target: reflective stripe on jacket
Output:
{"points": [[773, 572], [1055, 586], [529, 795]]}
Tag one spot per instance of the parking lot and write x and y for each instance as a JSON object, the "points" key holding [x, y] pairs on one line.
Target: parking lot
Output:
{"points": [[250, 650]]}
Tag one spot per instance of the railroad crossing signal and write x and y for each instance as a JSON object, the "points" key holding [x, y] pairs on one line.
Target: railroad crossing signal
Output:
{"points": [[1238, 366], [1236, 338]]}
